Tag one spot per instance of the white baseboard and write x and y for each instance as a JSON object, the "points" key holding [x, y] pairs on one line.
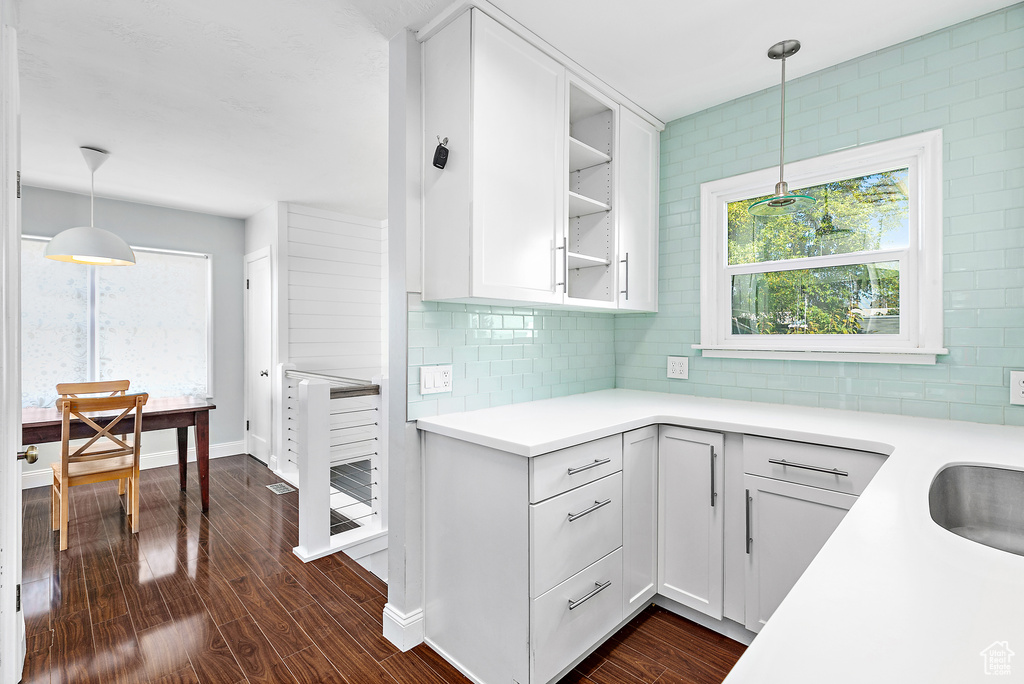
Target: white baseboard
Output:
{"points": [[44, 478], [403, 630]]}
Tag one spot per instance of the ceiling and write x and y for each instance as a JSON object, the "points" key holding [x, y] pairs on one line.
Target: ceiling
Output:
{"points": [[227, 106]]}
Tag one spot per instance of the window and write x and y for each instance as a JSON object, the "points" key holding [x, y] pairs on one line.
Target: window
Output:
{"points": [[857, 278], [149, 323]]}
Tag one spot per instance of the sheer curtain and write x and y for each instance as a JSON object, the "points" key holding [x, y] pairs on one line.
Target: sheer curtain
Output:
{"points": [[54, 324], [148, 323]]}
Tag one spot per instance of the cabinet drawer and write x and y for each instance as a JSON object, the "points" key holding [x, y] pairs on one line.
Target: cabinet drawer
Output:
{"points": [[572, 530], [561, 634], [845, 470], [565, 469]]}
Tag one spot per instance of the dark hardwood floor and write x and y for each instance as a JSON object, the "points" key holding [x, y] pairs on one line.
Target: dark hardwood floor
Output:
{"points": [[221, 598]]}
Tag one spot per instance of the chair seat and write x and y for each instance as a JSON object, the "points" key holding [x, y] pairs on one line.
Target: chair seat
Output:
{"points": [[91, 468]]}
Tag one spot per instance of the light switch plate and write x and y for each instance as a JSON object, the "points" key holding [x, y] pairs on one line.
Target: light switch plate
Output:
{"points": [[679, 367], [1017, 387], [435, 379]]}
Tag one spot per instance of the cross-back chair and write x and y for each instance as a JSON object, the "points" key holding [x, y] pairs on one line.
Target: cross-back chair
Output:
{"points": [[106, 455], [111, 388]]}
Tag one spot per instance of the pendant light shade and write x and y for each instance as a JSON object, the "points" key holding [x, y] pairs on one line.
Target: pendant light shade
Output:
{"points": [[783, 201], [88, 244]]}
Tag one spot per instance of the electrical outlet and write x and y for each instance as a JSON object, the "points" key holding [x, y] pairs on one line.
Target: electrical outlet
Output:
{"points": [[1017, 387], [679, 367], [435, 379]]}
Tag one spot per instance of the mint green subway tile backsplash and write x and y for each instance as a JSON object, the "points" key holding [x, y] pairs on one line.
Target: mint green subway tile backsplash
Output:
{"points": [[501, 355], [967, 80]]}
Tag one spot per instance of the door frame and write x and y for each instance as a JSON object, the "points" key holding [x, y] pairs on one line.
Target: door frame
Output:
{"points": [[256, 255], [12, 621]]}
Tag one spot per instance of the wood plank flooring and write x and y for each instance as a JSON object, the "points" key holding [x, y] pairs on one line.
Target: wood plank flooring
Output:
{"points": [[221, 598]]}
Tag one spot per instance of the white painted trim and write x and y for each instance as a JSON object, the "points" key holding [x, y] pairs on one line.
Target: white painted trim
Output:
{"points": [[922, 300], [361, 543], [915, 357], [449, 13], [12, 622], [403, 630], [160, 459]]}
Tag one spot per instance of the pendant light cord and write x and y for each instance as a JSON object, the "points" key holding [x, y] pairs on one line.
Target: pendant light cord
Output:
{"points": [[782, 125], [92, 199]]}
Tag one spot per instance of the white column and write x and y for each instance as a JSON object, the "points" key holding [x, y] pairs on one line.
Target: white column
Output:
{"points": [[403, 614], [314, 463]]}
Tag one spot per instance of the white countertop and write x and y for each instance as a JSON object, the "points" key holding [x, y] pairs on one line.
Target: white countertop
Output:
{"points": [[891, 597]]}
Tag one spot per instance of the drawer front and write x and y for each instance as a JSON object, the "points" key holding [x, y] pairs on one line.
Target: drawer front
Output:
{"points": [[845, 470], [560, 471], [559, 634], [572, 530]]}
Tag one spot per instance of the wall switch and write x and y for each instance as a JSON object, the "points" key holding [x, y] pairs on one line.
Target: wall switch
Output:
{"points": [[435, 379], [1017, 387], [679, 367]]}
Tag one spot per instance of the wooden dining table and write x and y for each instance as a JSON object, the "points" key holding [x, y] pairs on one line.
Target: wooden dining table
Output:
{"points": [[41, 425]]}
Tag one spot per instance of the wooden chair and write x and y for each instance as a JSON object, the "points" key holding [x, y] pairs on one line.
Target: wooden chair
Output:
{"points": [[110, 388], [105, 456]]}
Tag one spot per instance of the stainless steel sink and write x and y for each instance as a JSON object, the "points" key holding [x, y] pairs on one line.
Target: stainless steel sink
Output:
{"points": [[981, 503]]}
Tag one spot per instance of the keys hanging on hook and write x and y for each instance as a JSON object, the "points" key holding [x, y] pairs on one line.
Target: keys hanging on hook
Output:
{"points": [[441, 153]]}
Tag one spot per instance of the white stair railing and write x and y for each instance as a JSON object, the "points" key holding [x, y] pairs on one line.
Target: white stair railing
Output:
{"points": [[337, 446]]}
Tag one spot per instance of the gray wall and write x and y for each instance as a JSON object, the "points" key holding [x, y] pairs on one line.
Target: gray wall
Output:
{"points": [[47, 212]]}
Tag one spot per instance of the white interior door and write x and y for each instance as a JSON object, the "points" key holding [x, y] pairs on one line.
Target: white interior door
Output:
{"points": [[12, 621], [258, 358]]}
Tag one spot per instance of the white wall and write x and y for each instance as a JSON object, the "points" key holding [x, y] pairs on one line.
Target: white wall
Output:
{"points": [[335, 292], [48, 212]]}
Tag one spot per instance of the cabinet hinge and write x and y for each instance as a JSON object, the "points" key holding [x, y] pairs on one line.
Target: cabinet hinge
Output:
{"points": [[246, 283], [19, 185], [246, 425], [17, 599]]}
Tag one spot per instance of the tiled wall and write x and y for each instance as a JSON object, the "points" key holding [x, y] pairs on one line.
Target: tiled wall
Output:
{"points": [[503, 355], [967, 80]]}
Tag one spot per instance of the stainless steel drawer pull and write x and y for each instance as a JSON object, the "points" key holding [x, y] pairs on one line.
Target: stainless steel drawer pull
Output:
{"points": [[714, 494], [599, 588], [817, 469], [597, 504], [601, 462], [750, 538]]}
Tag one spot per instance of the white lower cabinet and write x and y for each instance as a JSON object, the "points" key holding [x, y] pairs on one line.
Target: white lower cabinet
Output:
{"points": [[522, 556], [530, 563], [691, 535], [788, 524], [639, 518], [796, 494], [574, 616]]}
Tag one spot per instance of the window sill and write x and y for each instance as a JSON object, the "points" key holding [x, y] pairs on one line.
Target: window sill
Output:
{"points": [[922, 357]]}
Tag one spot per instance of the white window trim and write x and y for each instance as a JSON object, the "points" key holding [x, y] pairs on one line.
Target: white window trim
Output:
{"points": [[920, 339]]}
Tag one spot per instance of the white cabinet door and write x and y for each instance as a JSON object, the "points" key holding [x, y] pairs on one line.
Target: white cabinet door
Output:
{"points": [[639, 517], [638, 155], [518, 177], [787, 525], [692, 518]]}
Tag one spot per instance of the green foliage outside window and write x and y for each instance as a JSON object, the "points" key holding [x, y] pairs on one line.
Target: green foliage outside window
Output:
{"points": [[863, 214]]}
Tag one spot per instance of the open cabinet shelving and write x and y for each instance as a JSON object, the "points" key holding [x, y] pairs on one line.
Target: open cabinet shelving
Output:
{"points": [[590, 228]]}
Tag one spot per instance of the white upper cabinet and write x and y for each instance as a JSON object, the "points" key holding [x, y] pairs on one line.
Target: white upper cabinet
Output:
{"points": [[494, 214], [526, 209], [638, 170]]}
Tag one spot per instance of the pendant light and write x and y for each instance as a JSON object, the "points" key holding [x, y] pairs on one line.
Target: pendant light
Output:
{"points": [[89, 244], [782, 202]]}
